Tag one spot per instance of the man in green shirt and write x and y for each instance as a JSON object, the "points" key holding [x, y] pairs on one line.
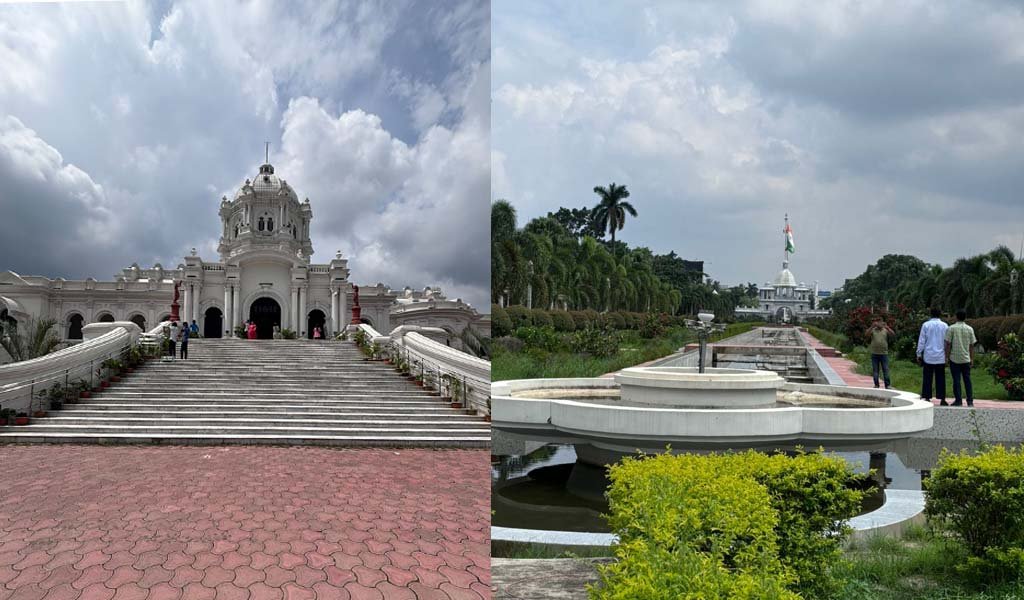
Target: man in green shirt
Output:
{"points": [[960, 342], [878, 335]]}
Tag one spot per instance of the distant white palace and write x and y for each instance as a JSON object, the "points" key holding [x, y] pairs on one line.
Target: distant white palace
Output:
{"points": [[264, 274], [783, 300]]}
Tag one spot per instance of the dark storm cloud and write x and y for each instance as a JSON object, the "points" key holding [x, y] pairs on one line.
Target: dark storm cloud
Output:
{"points": [[139, 116], [879, 127]]}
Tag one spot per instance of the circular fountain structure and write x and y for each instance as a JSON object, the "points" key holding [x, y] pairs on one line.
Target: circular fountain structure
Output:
{"points": [[648, 408]]}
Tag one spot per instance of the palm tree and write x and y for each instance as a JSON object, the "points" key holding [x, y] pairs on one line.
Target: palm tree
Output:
{"points": [[32, 339], [610, 213]]}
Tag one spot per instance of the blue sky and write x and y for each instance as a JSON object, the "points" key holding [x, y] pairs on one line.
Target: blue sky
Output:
{"points": [[879, 127], [123, 124]]}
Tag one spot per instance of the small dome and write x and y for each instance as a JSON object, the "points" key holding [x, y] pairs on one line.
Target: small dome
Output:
{"points": [[267, 184], [785, 277]]}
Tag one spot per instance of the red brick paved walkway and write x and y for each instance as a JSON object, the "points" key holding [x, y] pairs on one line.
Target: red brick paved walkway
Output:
{"points": [[243, 522], [847, 369]]}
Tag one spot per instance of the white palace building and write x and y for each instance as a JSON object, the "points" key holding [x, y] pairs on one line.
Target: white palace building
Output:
{"points": [[264, 274]]}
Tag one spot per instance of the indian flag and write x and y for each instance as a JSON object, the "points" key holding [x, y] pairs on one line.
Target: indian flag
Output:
{"points": [[789, 238]]}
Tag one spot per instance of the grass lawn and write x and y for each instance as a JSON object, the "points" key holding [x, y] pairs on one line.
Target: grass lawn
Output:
{"points": [[919, 566], [907, 376], [633, 351]]}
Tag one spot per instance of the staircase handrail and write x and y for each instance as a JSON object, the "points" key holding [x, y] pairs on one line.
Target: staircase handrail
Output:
{"points": [[457, 373], [20, 381]]}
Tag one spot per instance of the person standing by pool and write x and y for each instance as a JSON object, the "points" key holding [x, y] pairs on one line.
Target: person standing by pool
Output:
{"points": [[879, 335], [931, 353], [960, 341]]}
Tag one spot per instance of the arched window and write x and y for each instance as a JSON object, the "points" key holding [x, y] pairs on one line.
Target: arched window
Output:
{"points": [[270, 224], [140, 321], [261, 224], [106, 318], [75, 326]]}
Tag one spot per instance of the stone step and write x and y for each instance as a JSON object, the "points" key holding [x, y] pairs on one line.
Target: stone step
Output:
{"points": [[268, 403], [254, 420], [218, 430], [456, 415], [384, 441], [294, 397]]}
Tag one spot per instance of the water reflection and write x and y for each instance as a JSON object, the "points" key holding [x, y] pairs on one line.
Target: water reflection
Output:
{"points": [[548, 488]]}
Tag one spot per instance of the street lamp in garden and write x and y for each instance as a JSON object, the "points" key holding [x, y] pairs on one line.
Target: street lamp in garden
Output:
{"points": [[704, 327]]}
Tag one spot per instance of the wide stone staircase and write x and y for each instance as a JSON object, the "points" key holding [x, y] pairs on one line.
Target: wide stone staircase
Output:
{"points": [[262, 392]]}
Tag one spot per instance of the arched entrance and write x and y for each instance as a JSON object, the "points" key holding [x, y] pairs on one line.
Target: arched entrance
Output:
{"points": [[7, 320], [213, 321], [75, 326], [140, 321], [317, 318], [784, 315], [106, 318], [266, 312]]}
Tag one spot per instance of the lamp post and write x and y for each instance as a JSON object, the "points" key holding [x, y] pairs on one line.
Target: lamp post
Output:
{"points": [[704, 328]]}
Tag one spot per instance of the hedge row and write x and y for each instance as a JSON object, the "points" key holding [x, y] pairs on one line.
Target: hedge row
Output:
{"points": [[504, 321], [989, 330], [745, 525], [980, 500]]}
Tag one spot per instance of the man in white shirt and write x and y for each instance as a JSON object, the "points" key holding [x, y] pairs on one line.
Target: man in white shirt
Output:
{"points": [[931, 353]]}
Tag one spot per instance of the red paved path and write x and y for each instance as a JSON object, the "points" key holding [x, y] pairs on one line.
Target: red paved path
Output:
{"points": [[243, 522], [847, 370]]}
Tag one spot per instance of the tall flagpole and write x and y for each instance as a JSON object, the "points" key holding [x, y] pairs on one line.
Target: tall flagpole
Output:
{"points": [[785, 237]]}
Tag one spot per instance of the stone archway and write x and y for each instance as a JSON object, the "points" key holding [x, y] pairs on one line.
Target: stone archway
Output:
{"points": [[105, 318], [75, 323], [316, 318], [213, 323], [266, 313], [784, 315], [140, 321]]}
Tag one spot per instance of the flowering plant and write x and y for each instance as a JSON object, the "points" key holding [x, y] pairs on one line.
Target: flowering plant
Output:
{"points": [[1008, 365]]}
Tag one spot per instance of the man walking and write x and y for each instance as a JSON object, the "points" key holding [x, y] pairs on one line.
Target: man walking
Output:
{"points": [[172, 336], [879, 335], [931, 352], [184, 342], [960, 342]]}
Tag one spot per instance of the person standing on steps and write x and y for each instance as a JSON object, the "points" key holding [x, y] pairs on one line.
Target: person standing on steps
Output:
{"points": [[931, 353], [193, 329], [960, 341], [316, 333], [172, 337], [184, 342], [879, 335]]}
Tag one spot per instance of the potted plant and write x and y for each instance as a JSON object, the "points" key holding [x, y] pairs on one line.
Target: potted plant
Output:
{"points": [[454, 390], [56, 397], [84, 389], [21, 418]]}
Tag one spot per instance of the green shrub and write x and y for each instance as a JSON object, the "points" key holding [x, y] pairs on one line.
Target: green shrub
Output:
{"points": [[540, 338], [653, 325], [595, 342], [615, 320], [813, 495], [687, 530], [541, 318], [520, 316], [509, 344], [591, 318], [989, 330], [562, 321], [1007, 365], [501, 324], [980, 500]]}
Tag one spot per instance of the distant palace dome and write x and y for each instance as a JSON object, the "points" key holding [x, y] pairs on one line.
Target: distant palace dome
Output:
{"points": [[785, 277]]}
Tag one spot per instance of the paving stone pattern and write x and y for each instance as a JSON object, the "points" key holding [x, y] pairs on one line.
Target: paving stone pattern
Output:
{"points": [[134, 522]]}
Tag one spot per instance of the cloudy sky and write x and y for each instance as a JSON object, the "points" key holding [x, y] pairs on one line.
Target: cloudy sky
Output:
{"points": [[879, 127], [123, 124]]}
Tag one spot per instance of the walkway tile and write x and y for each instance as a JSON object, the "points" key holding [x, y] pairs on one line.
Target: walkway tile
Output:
{"points": [[136, 522]]}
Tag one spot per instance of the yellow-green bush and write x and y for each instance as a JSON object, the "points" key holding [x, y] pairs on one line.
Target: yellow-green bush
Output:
{"points": [[980, 500], [686, 533], [810, 496], [501, 325]]}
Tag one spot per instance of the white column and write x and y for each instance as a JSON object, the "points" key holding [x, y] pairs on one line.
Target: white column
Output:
{"points": [[236, 317], [229, 326], [188, 302], [333, 325], [293, 310], [343, 316], [303, 292], [196, 292]]}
